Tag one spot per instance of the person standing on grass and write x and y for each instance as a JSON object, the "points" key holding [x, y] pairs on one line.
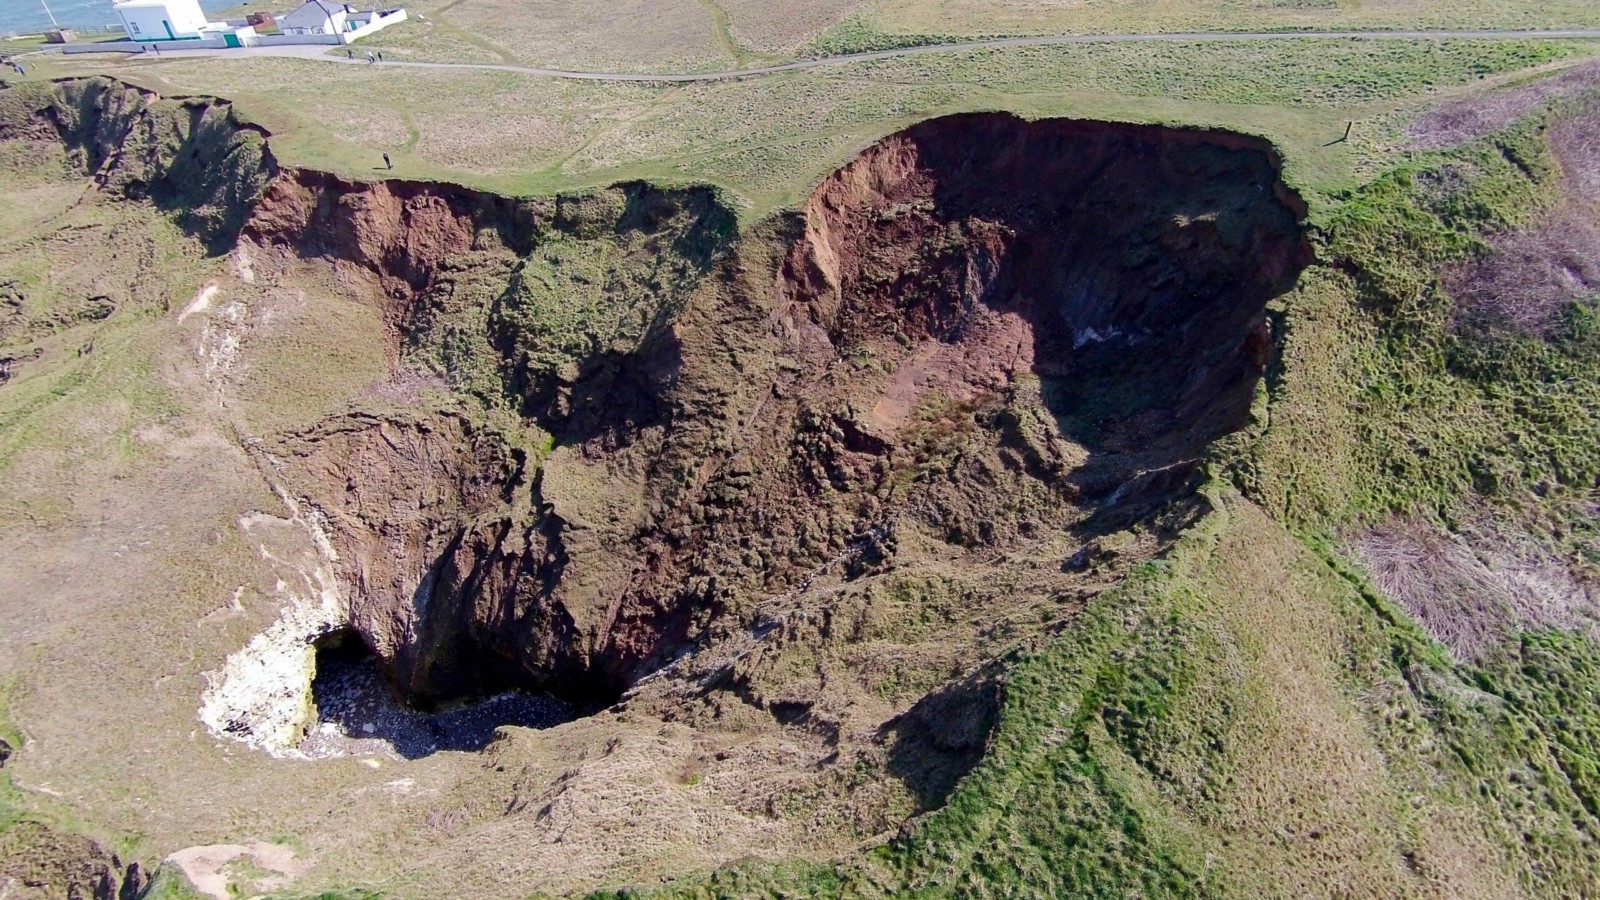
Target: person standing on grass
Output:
{"points": [[386, 163], [370, 60], [349, 54], [380, 56]]}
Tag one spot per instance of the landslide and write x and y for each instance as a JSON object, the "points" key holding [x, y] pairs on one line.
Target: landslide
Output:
{"points": [[549, 314], [796, 488], [981, 330], [195, 158]]}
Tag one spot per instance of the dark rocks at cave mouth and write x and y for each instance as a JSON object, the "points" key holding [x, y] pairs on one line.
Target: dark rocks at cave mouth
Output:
{"points": [[358, 714]]}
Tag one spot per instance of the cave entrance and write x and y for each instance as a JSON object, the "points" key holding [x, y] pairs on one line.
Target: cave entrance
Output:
{"points": [[358, 711]]}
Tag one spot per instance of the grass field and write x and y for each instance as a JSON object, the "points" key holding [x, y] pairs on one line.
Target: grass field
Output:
{"points": [[772, 26], [21, 45], [768, 139], [968, 17], [691, 35], [701, 35]]}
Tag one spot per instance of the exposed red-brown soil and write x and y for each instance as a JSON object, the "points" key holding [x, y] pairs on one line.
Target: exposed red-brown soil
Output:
{"points": [[408, 487], [1079, 252], [981, 328], [403, 232]]}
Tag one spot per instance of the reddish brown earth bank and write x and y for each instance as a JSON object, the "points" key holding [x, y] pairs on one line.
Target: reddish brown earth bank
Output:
{"points": [[982, 327], [980, 330]]}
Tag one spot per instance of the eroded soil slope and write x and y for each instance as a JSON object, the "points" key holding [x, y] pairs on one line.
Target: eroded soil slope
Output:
{"points": [[983, 330], [776, 503]]}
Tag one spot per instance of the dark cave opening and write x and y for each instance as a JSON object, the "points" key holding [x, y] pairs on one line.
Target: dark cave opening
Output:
{"points": [[359, 712]]}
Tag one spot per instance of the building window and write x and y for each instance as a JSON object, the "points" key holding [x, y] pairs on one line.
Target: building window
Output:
{"points": [[134, 26]]}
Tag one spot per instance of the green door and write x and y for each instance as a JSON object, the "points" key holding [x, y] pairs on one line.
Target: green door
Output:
{"points": [[231, 40]]}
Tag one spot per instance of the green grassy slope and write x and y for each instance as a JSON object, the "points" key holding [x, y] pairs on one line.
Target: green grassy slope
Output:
{"points": [[1250, 716], [768, 141], [1248, 719]]}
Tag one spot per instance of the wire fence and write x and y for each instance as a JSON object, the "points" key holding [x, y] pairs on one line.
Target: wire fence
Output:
{"points": [[80, 29]]}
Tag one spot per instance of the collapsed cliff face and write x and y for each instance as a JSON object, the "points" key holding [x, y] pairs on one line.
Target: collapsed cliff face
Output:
{"points": [[1127, 267], [195, 157], [981, 330], [556, 313]]}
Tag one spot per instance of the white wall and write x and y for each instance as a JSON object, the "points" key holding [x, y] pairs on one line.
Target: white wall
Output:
{"points": [[186, 14], [279, 40], [150, 23], [258, 40], [137, 47], [378, 23]]}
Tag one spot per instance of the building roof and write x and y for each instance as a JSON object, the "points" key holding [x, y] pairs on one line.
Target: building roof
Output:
{"points": [[313, 12]]}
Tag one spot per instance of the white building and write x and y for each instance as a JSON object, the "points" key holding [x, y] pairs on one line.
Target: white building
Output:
{"points": [[316, 17], [325, 17], [161, 20]]}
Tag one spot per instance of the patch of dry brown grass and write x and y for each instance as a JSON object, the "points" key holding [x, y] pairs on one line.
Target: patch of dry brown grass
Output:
{"points": [[1529, 277], [1459, 121], [625, 35], [772, 26], [1471, 590], [1576, 143]]}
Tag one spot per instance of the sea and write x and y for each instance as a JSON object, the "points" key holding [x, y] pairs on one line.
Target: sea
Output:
{"points": [[30, 17]]}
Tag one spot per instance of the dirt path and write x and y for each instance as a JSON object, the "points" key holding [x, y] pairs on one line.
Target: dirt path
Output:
{"points": [[318, 52], [720, 23], [208, 867]]}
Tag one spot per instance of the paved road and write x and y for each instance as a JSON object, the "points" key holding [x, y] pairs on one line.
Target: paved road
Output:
{"points": [[321, 53]]}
